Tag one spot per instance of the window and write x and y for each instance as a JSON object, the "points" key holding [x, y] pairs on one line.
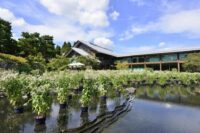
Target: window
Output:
{"points": [[141, 59], [153, 59], [182, 56], [169, 57]]}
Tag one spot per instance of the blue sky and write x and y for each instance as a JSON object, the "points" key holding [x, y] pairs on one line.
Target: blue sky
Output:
{"points": [[125, 26]]}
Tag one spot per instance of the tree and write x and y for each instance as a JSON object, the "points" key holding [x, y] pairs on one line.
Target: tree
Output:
{"points": [[121, 65], [7, 44], [58, 50], [58, 63], [89, 62], [66, 47], [37, 62], [33, 43], [192, 62], [29, 44], [47, 47]]}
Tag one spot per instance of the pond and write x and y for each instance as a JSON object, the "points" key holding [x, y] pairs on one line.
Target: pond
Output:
{"points": [[155, 109], [60, 120], [149, 116]]}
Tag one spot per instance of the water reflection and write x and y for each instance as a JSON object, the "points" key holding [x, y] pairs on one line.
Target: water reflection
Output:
{"points": [[57, 120], [175, 94]]}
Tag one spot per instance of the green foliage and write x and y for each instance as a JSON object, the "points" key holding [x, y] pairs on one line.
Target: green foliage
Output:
{"points": [[62, 88], [15, 88], [66, 47], [121, 65], [103, 85], [13, 58], [8, 61], [76, 80], [41, 99], [192, 62], [33, 43], [88, 92], [58, 50], [7, 44], [37, 62], [58, 63], [89, 62]]}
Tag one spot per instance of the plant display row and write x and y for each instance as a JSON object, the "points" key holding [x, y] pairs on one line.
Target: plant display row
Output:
{"points": [[39, 90]]}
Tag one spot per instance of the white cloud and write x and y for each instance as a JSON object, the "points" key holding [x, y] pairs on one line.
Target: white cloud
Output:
{"points": [[114, 15], [183, 22], [68, 23], [97, 19], [86, 12], [104, 42], [139, 2], [161, 44], [9, 16]]}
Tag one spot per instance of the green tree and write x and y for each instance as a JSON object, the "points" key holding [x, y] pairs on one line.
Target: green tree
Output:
{"points": [[58, 63], [192, 62], [121, 65], [58, 50], [29, 44], [37, 62], [33, 43], [89, 62], [47, 47], [66, 48], [7, 44]]}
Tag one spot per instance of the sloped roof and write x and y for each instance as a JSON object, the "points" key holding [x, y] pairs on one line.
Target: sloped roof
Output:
{"points": [[97, 48], [80, 51], [162, 52]]}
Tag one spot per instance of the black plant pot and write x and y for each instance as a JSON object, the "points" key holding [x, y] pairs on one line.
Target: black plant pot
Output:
{"points": [[118, 93], [103, 97], [84, 109], [76, 91], [69, 97], [18, 110], [63, 105], [80, 88], [40, 120]]}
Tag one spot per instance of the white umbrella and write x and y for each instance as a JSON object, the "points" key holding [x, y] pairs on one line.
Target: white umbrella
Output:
{"points": [[76, 64]]}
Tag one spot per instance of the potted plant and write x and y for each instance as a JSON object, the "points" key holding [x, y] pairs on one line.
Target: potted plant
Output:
{"points": [[76, 83], [103, 85], [85, 100], [62, 90], [14, 88], [41, 101], [87, 93]]}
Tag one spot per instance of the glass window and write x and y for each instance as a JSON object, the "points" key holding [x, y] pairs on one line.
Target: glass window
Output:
{"points": [[141, 59], [169, 57], [182, 56], [153, 59], [134, 59]]}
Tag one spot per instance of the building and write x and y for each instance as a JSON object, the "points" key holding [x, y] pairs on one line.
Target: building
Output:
{"points": [[104, 55], [159, 60]]}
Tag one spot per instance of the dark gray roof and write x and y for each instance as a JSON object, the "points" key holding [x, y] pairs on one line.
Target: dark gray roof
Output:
{"points": [[80, 51], [103, 50], [162, 52], [98, 48]]}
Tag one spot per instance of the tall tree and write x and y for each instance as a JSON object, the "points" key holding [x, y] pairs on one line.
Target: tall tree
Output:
{"points": [[66, 47], [7, 44], [192, 62], [47, 47], [29, 44], [58, 50], [33, 43]]}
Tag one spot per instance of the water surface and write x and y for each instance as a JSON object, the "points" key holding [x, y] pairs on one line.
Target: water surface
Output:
{"points": [[149, 116]]}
